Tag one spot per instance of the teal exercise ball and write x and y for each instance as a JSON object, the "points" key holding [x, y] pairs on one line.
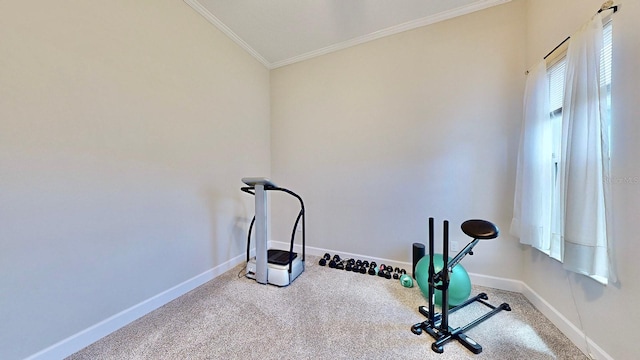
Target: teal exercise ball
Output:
{"points": [[459, 281]]}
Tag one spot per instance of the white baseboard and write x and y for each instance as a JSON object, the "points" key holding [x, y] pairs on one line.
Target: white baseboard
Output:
{"points": [[94, 333], [584, 343], [497, 282]]}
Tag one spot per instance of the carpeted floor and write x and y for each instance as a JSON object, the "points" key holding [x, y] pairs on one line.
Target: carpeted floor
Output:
{"points": [[328, 314]]}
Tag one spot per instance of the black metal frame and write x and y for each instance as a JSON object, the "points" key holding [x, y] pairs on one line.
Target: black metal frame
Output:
{"points": [[437, 324], [250, 190]]}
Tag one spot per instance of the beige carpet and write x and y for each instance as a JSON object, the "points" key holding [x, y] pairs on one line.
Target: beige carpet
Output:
{"points": [[325, 313]]}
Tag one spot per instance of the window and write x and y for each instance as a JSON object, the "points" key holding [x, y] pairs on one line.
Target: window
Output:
{"points": [[562, 189], [556, 79], [555, 75]]}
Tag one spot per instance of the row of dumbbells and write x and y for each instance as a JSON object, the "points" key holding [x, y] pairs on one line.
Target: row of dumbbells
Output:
{"points": [[362, 267]]}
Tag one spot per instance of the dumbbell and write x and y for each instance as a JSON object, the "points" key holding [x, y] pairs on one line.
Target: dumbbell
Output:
{"points": [[381, 270], [334, 261], [349, 264], [324, 259], [400, 271], [388, 270], [385, 271]]}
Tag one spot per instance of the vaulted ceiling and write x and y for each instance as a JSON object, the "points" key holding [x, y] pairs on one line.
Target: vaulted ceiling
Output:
{"points": [[281, 32]]}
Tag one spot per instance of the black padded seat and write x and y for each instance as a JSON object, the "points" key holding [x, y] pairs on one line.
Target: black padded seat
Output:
{"points": [[480, 229]]}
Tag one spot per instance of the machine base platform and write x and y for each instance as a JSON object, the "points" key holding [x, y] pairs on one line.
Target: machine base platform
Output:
{"points": [[278, 273]]}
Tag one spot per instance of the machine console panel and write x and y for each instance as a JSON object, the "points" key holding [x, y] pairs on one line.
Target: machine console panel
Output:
{"points": [[253, 181]]}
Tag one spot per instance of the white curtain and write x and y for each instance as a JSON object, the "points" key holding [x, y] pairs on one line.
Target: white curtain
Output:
{"points": [[532, 204], [585, 158]]}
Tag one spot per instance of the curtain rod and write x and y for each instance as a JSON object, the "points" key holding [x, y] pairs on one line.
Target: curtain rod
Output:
{"points": [[556, 48], [615, 9]]}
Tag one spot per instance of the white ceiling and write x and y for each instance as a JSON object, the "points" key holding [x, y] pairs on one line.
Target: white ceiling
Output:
{"points": [[281, 32]]}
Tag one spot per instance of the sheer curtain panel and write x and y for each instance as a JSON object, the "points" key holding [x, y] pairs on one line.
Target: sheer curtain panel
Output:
{"points": [[532, 203], [585, 158]]}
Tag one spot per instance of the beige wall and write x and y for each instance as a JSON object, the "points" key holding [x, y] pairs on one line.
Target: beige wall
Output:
{"points": [[125, 127], [607, 314], [379, 137]]}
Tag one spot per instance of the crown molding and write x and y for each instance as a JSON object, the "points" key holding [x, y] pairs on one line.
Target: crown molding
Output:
{"points": [[410, 25], [227, 31]]}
